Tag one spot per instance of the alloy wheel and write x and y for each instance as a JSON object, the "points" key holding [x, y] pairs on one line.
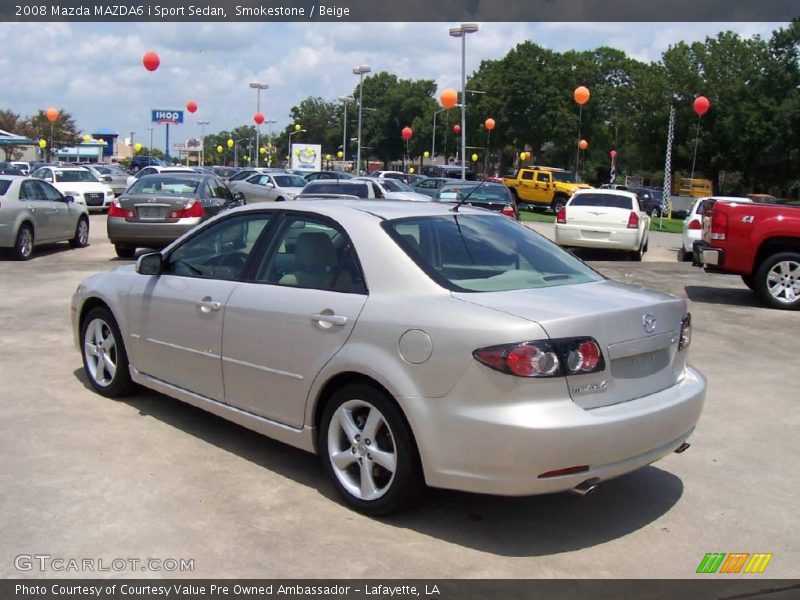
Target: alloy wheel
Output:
{"points": [[783, 281], [100, 351]]}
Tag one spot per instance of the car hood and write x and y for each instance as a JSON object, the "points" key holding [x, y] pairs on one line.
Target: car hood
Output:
{"points": [[82, 186], [638, 362]]}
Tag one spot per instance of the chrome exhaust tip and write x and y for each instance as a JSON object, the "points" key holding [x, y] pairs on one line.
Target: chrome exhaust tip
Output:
{"points": [[590, 486], [682, 448]]}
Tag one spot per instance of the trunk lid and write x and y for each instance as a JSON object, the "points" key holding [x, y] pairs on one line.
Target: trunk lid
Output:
{"points": [[598, 217], [154, 207], [637, 329]]}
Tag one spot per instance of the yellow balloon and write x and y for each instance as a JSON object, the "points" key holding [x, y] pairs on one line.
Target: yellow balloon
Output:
{"points": [[426, 154], [296, 152], [327, 157], [340, 154], [87, 138], [219, 149], [247, 158], [262, 150], [474, 157], [522, 155], [410, 169], [309, 151], [229, 143], [298, 127], [42, 143], [137, 147]]}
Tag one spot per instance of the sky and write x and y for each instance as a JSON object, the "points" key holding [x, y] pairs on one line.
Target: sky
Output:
{"points": [[94, 70]]}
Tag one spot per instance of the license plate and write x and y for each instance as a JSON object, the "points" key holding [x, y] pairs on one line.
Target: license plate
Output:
{"points": [[151, 212]]}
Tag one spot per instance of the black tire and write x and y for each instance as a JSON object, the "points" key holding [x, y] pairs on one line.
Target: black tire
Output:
{"points": [[655, 213], [124, 251], [279, 199], [683, 255], [23, 245], [81, 237], [405, 486], [105, 383], [559, 202], [748, 281], [782, 270], [637, 255]]}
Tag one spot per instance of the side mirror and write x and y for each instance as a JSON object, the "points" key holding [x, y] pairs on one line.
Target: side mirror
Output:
{"points": [[69, 199], [269, 185], [239, 199], [107, 178], [149, 264]]}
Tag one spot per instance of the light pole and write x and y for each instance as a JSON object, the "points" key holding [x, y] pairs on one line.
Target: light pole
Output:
{"points": [[270, 123], [132, 132], [150, 129], [461, 32], [258, 87], [203, 141], [360, 71], [344, 100], [236, 150], [291, 133], [433, 141]]}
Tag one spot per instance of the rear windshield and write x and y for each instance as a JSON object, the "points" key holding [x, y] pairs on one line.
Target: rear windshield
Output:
{"points": [[604, 200], [337, 186], [484, 192], [75, 176], [393, 185], [165, 185], [485, 253], [4, 185]]}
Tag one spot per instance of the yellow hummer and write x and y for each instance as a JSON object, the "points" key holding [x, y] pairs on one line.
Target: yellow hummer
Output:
{"points": [[543, 187]]}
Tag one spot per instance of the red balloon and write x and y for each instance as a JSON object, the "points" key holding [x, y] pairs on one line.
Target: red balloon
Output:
{"points": [[701, 105], [258, 118], [449, 98], [613, 154], [456, 129], [583, 144], [51, 114], [150, 60], [489, 123], [191, 106], [407, 132]]}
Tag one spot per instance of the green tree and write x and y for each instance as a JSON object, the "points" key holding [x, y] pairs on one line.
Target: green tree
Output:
{"points": [[59, 134]]}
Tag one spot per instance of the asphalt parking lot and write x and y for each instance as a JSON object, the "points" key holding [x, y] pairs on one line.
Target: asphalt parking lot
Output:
{"points": [[87, 477]]}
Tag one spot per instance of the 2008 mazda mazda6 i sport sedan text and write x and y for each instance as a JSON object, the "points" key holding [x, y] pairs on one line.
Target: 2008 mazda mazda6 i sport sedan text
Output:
{"points": [[407, 343]]}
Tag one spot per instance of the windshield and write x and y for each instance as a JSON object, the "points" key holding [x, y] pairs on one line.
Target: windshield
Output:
{"points": [[289, 181], [393, 185], [75, 176], [337, 186], [604, 200], [566, 177], [485, 253], [180, 186], [484, 192]]}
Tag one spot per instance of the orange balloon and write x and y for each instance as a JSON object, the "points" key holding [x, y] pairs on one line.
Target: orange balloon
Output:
{"points": [[583, 144], [449, 98], [51, 114], [581, 95], [489, 123]]}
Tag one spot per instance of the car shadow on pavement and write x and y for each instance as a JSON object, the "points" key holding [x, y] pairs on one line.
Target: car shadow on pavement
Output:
{"points": [[39, 251], [723, 295], [505, 526]]}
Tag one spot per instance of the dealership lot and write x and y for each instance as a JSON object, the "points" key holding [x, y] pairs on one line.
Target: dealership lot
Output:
{"points": [[86, 477]]}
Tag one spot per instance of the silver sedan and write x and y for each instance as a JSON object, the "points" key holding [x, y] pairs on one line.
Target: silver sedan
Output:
{"points": [[270, 187], [33, 212], [405, 343]]}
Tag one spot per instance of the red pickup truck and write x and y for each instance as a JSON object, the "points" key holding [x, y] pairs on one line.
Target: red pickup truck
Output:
{"points": [[760, 242]]}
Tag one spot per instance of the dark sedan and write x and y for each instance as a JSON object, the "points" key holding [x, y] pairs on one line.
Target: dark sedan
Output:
{"points": [[315, 175], [492, 196], [158, 209], [430, 185]]}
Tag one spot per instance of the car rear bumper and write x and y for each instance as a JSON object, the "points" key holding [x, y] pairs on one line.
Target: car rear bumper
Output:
{"points": [[502, 447], [587, 237], [147, 234], [706, 255]]}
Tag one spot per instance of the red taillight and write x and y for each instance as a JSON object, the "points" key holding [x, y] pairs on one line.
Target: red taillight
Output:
{"points": [[115, 210], [719, 225], [508, 211], [561, 215], [567, 471], [544, 358], [694, 224], [193, 209], [633, 221]]}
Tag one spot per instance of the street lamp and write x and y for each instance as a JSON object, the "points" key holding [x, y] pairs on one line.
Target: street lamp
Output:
{"points": [[360, 71], [433, 141], [344, 100], [461, 32], [291, 133], [270, 123], [258, 87], [203, 141]]}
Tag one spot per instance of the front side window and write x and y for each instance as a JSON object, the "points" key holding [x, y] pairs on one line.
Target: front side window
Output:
{"points": [[312, 253], [526, 175], [48, 192], [485, 253], [219, 251], [289, 181]]}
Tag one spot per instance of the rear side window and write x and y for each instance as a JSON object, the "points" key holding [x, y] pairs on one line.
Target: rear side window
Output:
{"points": [[604, 200], [4, 185]]}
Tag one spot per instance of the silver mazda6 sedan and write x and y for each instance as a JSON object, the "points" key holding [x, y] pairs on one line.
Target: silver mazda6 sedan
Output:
{"points": [[405, 343]]}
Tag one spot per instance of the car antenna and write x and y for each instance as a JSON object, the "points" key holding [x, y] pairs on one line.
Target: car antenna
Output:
{"points": [[464, 199]]}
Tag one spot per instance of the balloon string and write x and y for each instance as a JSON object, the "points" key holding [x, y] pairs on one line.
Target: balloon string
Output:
{"points": [[696, 138]]}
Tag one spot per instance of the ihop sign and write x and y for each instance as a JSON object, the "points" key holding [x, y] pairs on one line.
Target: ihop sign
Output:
{"points": [[167, 116]]}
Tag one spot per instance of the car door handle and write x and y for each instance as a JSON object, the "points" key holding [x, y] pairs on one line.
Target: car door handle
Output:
{"points": [[338, 320], [208, 305]]}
